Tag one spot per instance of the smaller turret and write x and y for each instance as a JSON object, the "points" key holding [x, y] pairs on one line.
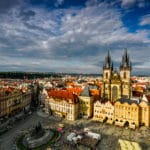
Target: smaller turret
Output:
{"points": [[125, 64], [108, 64]]}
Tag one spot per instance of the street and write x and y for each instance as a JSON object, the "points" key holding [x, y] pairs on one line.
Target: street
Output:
{"points": [[110, 133], [6, 140]]}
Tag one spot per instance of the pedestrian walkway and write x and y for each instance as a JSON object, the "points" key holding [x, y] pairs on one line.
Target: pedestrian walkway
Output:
{"points": [[42, 114]]}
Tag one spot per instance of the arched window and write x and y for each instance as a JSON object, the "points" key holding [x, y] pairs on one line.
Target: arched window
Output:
{"points": [[114, 93], [124, 75], [106, 75]]}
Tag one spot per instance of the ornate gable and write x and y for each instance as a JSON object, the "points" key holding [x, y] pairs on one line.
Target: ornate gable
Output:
{"points": [[115, 78]]}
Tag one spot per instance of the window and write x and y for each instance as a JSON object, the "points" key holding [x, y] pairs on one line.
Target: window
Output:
{"points": [[106, 75], [124, 75], [114, 93]]}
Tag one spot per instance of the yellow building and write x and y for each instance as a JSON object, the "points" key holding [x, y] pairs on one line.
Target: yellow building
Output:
{"points": [[144, 114], [116, 88], [116, 104], [14, 100], [103, 111], [133, 113], [116, 85], [62, 108], [63, 103], [86, 101], [126, 113]]}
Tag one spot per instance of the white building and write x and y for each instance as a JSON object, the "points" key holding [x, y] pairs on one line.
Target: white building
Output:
{"points": [[103, 110]]}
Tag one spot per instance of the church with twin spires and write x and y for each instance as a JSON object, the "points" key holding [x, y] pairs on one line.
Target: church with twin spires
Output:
{"points": [[116, 84], [116, 105]]}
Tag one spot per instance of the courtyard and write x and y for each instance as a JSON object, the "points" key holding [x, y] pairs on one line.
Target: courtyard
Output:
{"points": [[110, 134]]}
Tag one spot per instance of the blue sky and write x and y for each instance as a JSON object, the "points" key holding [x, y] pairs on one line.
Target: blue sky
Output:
{"points": [[73, 35]]}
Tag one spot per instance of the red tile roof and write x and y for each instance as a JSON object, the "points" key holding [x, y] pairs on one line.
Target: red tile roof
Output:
{"points": [[69, 94], [96, 94]]}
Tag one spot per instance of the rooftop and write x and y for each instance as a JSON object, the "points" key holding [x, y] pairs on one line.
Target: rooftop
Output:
{"points": [[65, 94], [86, 92], [129, 101]]}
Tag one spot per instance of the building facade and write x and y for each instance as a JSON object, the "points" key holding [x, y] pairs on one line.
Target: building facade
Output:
{"points": [[103, 111], [62, 108], [126, 113], [63, 103], [144, 114], [132, 113], [86, 103], [116, 85], [14, 100], [115, 105], [117, 102]]}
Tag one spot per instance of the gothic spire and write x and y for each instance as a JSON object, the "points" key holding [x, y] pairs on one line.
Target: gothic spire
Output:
{"points": [[112, 66], [125, 60], [108, 63]]}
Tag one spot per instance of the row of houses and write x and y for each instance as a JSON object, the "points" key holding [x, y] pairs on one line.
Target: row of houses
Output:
{"points": [[123, 112], [13, 100], [113, 101], [71, 105]]}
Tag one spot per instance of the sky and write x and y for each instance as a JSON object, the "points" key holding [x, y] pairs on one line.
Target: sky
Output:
{"points": [[73, 36]]}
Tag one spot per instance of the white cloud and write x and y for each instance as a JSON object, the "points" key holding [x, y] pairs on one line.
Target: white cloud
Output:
{"points": [[59, 2], [130, 3], [68, 40], [91, 27], [145, 20], [127, 3]]}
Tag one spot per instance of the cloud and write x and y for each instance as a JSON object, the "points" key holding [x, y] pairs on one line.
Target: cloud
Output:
{"points": [[94, 33], [145, 20], [91, 2], [131, 3], [68, 40], [26, 15], [5, 5], [59, 2], [127, 3]]}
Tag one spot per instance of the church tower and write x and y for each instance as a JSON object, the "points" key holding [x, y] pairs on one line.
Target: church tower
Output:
{"points": [[107, 72], [125, 72], [116, 85]]}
